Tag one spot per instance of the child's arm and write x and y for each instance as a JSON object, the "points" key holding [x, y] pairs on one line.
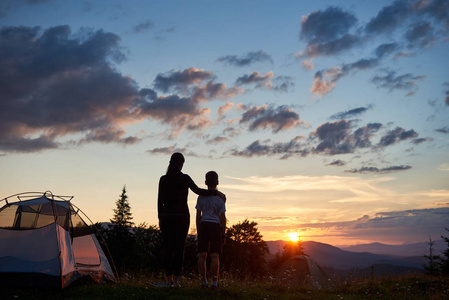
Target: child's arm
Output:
{"points": [[223, 225], [198, 220]]}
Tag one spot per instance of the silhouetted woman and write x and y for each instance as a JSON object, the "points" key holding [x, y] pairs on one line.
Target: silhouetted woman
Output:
{"points": [[174, 216]]}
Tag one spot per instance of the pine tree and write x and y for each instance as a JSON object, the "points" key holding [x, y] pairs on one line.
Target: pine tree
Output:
{"points": [[431, 268], [444, 260], [122, 214], [119, 238]]}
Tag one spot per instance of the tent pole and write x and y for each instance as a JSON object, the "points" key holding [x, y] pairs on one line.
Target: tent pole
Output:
{"points": [[58, 240]]}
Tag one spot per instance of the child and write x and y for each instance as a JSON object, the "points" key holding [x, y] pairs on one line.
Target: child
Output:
{"points": [[211, 228]]}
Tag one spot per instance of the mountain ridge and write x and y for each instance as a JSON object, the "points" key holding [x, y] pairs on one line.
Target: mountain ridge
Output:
{"points": [[341, 259]]}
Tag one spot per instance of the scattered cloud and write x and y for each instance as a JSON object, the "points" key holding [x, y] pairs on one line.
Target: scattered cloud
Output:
{"points": [[386, 170], [331, 138], [260, 81], [326, 80], [180, 80], [334, 30], [386, 49], [217, 140], [414, 225], [246, 59], [168, 151], [443, 130], [268, 148], [396, 135], [402, 82], [389, 18], [339, 138], [328, 32], [421, 140], [351, 113], [142, 27], [337, 162], [269, 117]]}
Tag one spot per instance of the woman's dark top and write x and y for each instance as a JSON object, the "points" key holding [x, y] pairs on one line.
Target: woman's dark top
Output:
{"points": [[173, 192]]}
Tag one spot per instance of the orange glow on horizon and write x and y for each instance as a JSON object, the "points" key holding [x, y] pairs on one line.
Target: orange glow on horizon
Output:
{"points": [[294, 236]]}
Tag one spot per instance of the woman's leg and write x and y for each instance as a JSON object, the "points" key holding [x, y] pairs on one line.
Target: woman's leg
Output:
{"points": [[168, 230], [179, 245]]}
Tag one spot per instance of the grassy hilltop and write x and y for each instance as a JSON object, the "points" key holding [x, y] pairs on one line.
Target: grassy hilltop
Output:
{"points": [[140, 287]]}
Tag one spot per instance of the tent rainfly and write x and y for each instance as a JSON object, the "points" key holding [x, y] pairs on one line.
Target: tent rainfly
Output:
{"points": [[45, 242]]}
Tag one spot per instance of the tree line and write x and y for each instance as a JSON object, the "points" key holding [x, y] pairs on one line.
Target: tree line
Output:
{"points": [[139, 249]]}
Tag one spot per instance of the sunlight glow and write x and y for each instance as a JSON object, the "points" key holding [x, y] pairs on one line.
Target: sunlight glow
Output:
{"points": [[294, 236]]}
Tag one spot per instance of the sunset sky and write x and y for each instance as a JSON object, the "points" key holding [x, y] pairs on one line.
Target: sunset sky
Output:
{"points": [[329, 119]]}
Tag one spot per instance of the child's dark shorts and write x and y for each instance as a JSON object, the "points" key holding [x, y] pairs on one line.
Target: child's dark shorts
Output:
{"points": [[209, 238]]}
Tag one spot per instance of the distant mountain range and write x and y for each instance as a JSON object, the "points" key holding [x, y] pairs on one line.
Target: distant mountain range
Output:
{"points": [[388, 259], [416, 249]]}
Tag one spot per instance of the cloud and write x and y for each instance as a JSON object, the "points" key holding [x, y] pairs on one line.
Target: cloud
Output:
{"points": [[331, 138], [443, 130], [212, 90], [339, 138], [365, 170], [337, 162], [407, 226], [351, 113], [283, 83], [421, 35], [389, 18], [267, 148], [53, 84], [328, 32], [223, 109], [190, 82], [179, 112], [401, 82], [170, 150], [143, 26], [264, 117], [421, 140], [109, 135], [261, 81], [217, 140], [386, 49], [326, 80], [395, 136], [246, 59], [334, 30], [180, 80]]}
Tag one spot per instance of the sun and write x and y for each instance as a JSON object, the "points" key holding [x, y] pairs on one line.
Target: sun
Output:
{"points": [[294, 236]]}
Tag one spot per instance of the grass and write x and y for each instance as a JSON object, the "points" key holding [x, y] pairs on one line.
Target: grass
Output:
{"points": [[140, 287]]}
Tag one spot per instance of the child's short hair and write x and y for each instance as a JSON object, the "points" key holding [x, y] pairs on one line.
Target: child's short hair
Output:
{"points": [[211, 178]]}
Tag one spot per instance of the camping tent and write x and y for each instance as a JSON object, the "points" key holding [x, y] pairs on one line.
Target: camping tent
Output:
{"points": [[45, 242], [304, 270]]}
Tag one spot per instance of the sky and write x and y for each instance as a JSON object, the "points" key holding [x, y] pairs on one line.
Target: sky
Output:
{"points": [[329, 119]]}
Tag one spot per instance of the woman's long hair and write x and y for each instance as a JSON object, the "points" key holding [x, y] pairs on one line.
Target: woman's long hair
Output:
{"points": [[176, 162]]}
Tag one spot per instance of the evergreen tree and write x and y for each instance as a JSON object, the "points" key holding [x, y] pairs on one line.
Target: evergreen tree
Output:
{"points": [[122, 214], [444, 260], [431, 268], [119, 238]]}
